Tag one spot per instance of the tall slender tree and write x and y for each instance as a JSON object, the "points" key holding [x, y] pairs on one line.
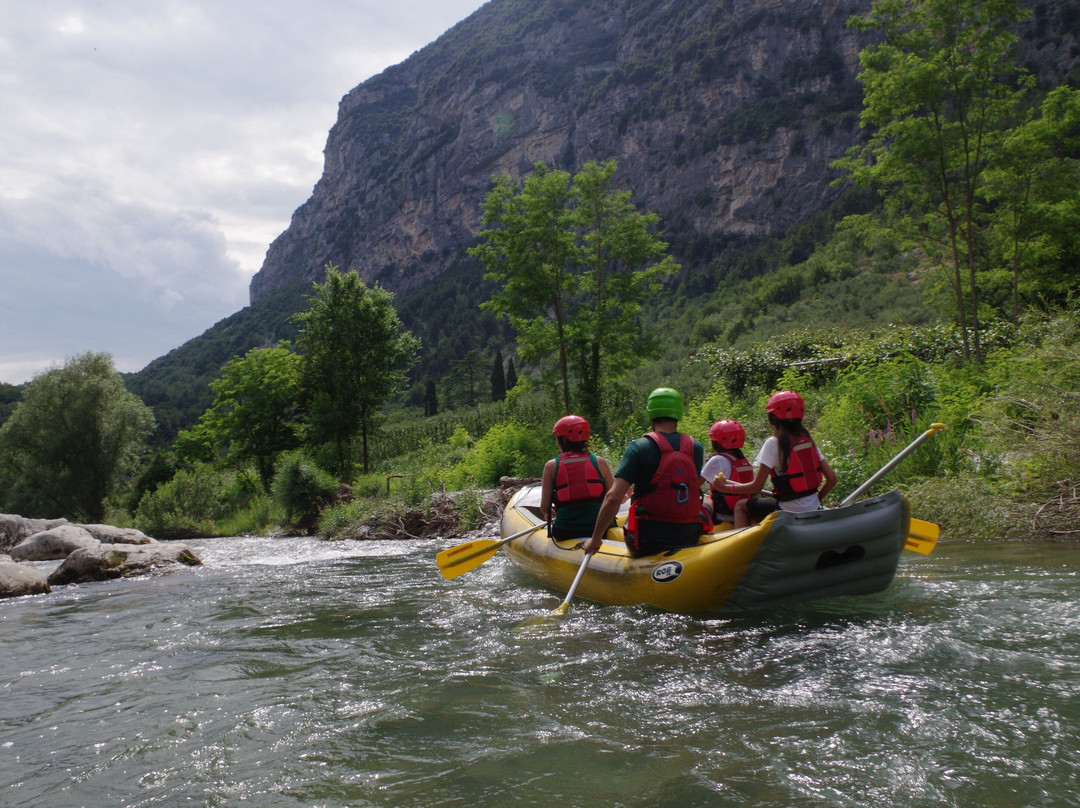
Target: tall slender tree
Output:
{"points": [[498, 378]]}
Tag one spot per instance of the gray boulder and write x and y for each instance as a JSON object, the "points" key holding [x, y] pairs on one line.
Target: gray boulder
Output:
{"points": [[17, 580], [103, 562], [109, 534], [15, 528], [50, 545]]}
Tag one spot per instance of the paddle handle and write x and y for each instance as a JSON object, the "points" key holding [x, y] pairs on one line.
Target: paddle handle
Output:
{"points": [[892, 463]]}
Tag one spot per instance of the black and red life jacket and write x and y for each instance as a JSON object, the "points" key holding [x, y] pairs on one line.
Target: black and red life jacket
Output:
{"points": [[577, 479], [673, 495], [742, 471], [803, 473]]}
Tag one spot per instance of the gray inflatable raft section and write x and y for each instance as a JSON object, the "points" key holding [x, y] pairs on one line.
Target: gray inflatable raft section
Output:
{"points": [[823, 554]]}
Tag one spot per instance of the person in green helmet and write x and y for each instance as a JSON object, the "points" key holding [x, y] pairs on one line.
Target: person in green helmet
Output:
{"points": [[663, 468]]}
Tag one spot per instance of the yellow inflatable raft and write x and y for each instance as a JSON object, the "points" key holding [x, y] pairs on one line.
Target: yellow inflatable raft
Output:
{"points": [[788, 558]]}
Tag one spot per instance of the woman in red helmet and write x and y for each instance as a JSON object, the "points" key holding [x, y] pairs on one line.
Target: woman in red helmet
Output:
{"points": [[801, 477], [729, 463], [574, 483]]}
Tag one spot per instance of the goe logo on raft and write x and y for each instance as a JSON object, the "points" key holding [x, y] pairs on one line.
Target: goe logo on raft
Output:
{"points": [[667, 572]]}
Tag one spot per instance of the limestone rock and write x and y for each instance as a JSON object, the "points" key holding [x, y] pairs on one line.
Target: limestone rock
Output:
{"points": [[103, 562], [15, 528], [17, 580], [109, 534], [50, 545]]}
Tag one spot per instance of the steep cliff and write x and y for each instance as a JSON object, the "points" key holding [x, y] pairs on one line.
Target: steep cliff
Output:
{"points": [[724, 117]]}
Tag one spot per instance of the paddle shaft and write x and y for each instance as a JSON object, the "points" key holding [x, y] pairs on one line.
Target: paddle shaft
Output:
{"points": [[891, 464], [562, 608]]}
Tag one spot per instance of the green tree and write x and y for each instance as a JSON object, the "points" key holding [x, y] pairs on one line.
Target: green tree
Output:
{"points": [[498, 378], [431, 399], [575, 260], [255, 415], [938, 93], [463, 380], [1035, 204], [355, 355], [74, 438]]}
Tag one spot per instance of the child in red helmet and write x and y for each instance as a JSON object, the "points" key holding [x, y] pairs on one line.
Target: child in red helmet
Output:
{"points": [[801, 477], [574, 483], [729, 463]]}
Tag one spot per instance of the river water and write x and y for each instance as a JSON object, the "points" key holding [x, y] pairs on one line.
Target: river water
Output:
{"points": [[295, 672]]}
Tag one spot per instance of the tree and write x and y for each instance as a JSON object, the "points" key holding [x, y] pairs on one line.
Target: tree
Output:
{"points": [[463, 380], [74, 438], [498, 378], [576, 261], [355, 355], [255, 415], [938, 93], [1035, 206], [511, 374], [431, 399]]}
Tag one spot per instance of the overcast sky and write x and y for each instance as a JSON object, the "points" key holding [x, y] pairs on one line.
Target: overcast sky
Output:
{"points": [[150, 151]]}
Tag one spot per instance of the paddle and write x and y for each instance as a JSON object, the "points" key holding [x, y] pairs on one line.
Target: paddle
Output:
{"points": [[889, 466], [470, 555], [922, 536], [562, 608]]}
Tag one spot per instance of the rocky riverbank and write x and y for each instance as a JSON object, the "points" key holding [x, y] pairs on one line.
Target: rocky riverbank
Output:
{"points": [[88, 552]]}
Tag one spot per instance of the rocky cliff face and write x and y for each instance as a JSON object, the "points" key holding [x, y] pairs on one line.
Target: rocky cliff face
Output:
{"points": [[724, 117]]}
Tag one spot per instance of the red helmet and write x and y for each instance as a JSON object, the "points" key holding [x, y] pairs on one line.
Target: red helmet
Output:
{"points": [[728, 434], [786, 405], [572, 427]]}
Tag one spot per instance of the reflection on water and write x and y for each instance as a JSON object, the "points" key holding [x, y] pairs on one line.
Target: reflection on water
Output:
{"points": [[294, 672]]}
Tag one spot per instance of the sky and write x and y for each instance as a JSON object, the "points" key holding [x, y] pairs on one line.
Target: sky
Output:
{"points": [[150, 151]]}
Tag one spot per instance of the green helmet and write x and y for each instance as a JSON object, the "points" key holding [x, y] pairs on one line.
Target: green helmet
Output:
{"points": [[664, 403]]}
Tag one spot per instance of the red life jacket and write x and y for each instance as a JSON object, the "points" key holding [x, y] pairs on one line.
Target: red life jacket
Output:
{"points": [[674, 493], [803, 473], [742, 471], [577, 479]]}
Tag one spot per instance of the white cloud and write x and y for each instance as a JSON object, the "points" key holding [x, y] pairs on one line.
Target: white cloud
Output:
{"points": [[151, 152]]}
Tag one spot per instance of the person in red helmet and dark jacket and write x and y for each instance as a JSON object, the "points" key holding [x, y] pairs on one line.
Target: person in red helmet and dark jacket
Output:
{"points": [[729, 462], [801, 477], [574, 483], [664, 469]]}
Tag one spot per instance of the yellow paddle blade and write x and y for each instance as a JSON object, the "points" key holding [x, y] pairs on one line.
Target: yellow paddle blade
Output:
{"points": [[465, 557], [922, 536]]}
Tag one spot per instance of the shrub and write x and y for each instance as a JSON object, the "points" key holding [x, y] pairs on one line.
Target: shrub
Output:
{"points": [[185, 506], [302, 488], [508, 449]]}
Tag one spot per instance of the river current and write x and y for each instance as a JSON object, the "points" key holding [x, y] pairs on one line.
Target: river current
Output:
{"points": [[297, 672]]}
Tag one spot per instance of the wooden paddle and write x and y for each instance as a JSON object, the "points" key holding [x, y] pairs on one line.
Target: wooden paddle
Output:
{"points": [[922, 536], [470, 555]]}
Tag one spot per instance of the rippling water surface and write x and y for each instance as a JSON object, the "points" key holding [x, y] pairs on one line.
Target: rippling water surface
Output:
{"points": [[294, 672]]}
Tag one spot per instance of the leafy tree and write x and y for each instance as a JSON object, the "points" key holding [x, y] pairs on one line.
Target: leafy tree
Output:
{"points": [[498, 378], [575, 261], [255, 415], [939, 91], [72, 441], [1036, 208], [355, 355]]}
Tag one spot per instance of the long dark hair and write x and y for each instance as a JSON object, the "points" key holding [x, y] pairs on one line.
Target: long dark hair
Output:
{"points": [[787, 431], [716, 447], [566, 445]]}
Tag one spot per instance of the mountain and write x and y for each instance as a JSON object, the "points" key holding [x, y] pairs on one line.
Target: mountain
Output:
{"points": [[724, 116]]}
